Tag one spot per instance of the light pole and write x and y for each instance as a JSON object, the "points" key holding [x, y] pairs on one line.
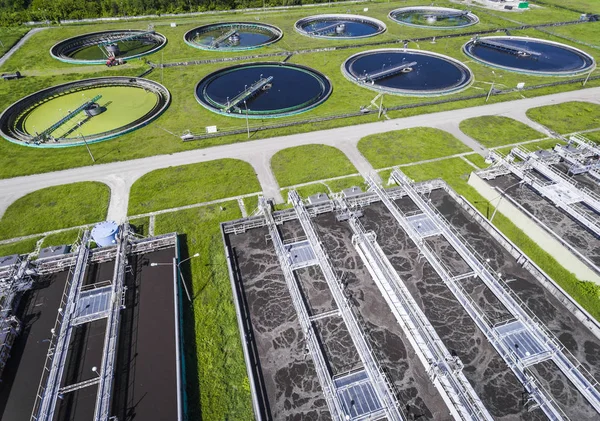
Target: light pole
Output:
{"points": [[247, 123], [187, 292]]}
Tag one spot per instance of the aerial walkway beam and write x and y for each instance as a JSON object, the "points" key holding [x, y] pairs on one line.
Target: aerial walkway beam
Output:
{"points": [[49, 388], [531, 325], [506, 48], [390, 71], [254, 89], [310, 335], [382, 389]]}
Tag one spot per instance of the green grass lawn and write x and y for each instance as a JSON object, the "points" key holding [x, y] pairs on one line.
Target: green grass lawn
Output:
{"points": [[61, 238], [409, 145], [302, 164], [456, 173], [218, 387], [184, 112], [54, 208], [477, 159], [9, 37], [567, 117], [497, 131], [19, 247], [188, 184], [123, 106]]}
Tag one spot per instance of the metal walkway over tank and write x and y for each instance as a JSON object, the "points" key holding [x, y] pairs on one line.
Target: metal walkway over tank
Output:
{"points": [[390, 71], [541, 344], [506, 48], [125, 38], [224, 37], [329, 28], [84, 304], [544, 401], [335, 400], [559, 189], [42, 136], [48, 390], [582, 155], [444, 369], [254, 89], [383, 389]]}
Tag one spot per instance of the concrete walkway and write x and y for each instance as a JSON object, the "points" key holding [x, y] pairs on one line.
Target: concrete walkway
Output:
{"points": [[119, 176]]}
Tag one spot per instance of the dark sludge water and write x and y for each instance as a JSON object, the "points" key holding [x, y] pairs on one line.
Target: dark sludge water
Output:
{"points": [[431, 73], [352, 28], [553, 58], [424, 18], [292, 89]]}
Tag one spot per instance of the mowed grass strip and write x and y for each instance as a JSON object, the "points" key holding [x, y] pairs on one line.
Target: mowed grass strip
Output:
{"points": [[409, 145], [218, 387], [567, 117], [302, 164], [188, 184], [55, 208], [493, 131]]}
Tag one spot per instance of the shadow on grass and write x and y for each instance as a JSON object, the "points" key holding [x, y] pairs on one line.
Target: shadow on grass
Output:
{"points": [[190, 355]]}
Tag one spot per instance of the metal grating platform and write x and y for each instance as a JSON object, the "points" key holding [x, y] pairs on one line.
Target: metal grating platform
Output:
{"points": [[300, 254], [358, 397], [567, 195], [424, 226], [92, 305], [519, 339]]}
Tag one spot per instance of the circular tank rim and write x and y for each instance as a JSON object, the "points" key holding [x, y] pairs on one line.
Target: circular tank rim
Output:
{"points": [[92, 138], [377, 22], [102, 61], [474, 18], [275, 29], [215, 110], [532, 72], [392, 91]]}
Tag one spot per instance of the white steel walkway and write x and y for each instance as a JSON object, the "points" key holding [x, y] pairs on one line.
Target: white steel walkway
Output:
{"points": [[383, 389], [445, 370], [483, 323], [540, 341]]}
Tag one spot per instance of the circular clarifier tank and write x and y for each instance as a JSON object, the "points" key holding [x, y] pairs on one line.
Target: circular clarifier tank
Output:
{"points": [[407, 72], [529, 55], [85, 111], [232, 36], [263, 90], [433, 17], [339, 26], [96, 47]]}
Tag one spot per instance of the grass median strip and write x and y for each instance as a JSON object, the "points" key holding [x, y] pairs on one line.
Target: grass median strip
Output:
{"points": [[55, 208], [409, 145], [188, 184], [493, 131], [302, 164]]}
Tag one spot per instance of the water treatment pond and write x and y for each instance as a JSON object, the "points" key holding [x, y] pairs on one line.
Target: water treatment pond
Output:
{"points": [[433, 17], [529, 55], [261, 90], [339, 26], [94, 48], [407, 72], [232, 36]]}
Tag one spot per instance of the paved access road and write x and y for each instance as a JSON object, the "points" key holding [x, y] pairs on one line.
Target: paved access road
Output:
{"points": [[119, 176]]}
